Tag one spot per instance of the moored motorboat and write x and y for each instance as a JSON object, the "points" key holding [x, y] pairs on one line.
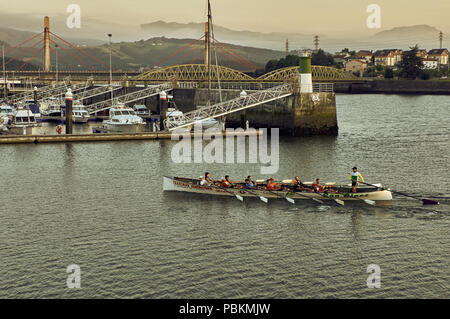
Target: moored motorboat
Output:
{"points": [[23, 123], [334, 192], [79, 113], [123, 119]]}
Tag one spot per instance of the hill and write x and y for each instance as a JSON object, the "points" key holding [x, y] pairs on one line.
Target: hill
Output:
{"points": [[148, 53], [273, 40]]}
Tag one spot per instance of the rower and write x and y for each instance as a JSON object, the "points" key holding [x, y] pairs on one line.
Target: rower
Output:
{"points": [[271, 185], [208, 178], [317, 187], [298, 184], [203, 182], [249, 184], [249, 177], [227, 183], [354, 175]]}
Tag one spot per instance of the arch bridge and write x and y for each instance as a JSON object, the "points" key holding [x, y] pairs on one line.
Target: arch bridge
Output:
{"points": [[199, 72]]}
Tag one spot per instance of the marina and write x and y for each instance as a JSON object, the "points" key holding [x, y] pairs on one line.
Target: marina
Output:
{"points": [[181, 166]]}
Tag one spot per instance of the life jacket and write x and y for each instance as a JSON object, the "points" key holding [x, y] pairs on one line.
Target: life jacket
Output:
{"points": [[273, 186], [226, 184], [317, 188]]}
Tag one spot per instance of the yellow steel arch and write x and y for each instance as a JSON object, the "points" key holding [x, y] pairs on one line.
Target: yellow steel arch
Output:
{"points": [[319, 73], [193, 72]]}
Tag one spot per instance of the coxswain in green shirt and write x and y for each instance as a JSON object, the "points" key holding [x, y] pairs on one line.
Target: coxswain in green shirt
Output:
{"points": [[354, 178]]}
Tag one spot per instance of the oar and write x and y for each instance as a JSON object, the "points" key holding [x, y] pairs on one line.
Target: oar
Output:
{"points": [[236, 195], [340, 202], [290, 200], [367, 201], [425, 201], [262, 198], [308, 197]]}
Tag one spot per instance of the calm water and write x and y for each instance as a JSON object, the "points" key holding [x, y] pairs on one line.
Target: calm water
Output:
{"points": [[101, 206]]}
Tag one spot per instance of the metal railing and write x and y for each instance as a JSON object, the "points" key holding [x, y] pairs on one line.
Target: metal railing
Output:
{"points": [[130, 97], [227, 107], [323, 87]]}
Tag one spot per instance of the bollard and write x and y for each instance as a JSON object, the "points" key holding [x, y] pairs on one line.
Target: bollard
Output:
{"points": [[35, 95], [69, 98], [162, 108]]}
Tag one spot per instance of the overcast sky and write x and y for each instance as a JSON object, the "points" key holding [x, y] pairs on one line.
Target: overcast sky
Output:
{"points": [[332, 17]]}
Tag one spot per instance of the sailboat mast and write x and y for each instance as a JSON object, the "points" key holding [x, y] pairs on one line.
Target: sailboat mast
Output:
{"points": [[4, 73], [208, 50]]}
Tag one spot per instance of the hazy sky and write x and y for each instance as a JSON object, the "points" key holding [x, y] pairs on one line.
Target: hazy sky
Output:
{"points": [[331, 17]]}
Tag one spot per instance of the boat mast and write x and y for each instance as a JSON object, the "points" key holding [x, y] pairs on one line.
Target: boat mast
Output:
{"points": [[56, 64], [4, 72], [208, 51], [215, 55], [110, 69]]}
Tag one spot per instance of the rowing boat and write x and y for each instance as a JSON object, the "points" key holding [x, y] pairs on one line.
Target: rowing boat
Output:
{"points": [[342, 192]]}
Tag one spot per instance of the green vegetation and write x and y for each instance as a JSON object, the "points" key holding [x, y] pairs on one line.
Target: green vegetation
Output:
{"points": [[411, 65], [318, 58]]}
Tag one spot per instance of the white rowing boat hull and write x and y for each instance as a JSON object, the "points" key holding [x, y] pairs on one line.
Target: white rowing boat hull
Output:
{"points": [[170, 184]]}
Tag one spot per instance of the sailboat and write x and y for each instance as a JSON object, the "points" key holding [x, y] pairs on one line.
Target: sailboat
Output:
{"points": [[209, 33], [174, 115]]}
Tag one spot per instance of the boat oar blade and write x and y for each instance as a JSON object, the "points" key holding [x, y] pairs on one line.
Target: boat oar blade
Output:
{"points": [[340, 202], [426, 201], [370, 202], [265, 200], [317, 200], [239, 197], [290, 200]]}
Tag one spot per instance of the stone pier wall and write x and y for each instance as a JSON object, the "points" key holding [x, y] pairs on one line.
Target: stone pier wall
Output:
{"points": [[296, 115]]}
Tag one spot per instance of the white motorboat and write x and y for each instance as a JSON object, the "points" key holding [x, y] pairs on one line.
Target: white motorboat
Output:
{"points": [[79, 113], [141, 110], [123, 119], [6, 111], [51, 107], [208, 123], [23, 123]]}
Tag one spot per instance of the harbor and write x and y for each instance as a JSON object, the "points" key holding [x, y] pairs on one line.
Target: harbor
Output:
{"points": [[181, 161], [94, 199]]}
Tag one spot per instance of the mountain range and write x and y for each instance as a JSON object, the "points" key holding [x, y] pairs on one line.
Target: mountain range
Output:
{"points": [[151, 42]]}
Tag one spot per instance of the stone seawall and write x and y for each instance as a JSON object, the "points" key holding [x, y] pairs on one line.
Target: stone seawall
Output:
{"points": [[395, 87], [295, 115]]}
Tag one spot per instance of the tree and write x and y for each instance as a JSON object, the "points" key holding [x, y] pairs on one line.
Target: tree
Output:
{"points": [[388, 73], [411, 64], [322, 58], [271, 65]]}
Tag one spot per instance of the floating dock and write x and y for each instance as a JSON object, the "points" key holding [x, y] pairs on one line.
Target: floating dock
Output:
{"points": [[105, 137]]}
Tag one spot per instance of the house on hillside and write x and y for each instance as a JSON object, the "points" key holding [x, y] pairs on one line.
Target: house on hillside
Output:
{"points": [[440, 54], [365, 55], [341, 57], [356, 66], [422, 53], [388, 57]]}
